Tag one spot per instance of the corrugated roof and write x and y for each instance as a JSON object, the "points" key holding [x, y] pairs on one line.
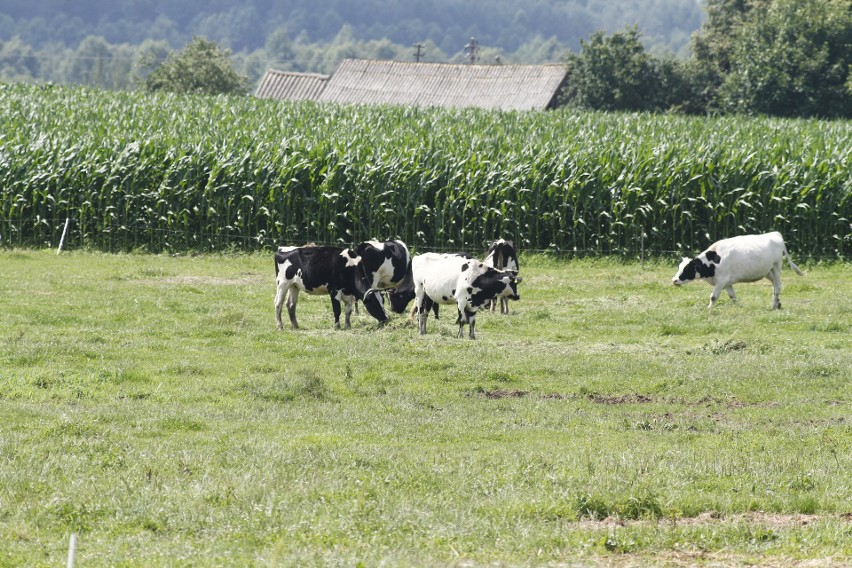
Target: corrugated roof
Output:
{"points": [[504, 87], [286, 85]]}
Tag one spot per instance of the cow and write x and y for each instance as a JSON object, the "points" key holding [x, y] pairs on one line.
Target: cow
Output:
{"points": [[456, 279], [400, 296], [746, 258], [503, 256], [344, 274]]}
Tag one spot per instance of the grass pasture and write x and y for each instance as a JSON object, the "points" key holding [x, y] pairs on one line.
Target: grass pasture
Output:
{"points": [[148, 404]]}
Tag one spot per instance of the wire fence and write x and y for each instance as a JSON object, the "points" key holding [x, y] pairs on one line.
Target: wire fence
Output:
{"points": [[68, 233]]}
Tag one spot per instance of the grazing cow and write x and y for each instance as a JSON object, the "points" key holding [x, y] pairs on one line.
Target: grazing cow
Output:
{"points": [[403, 294], [502, 256], [344, 274], [746, 258], [455, 279]]}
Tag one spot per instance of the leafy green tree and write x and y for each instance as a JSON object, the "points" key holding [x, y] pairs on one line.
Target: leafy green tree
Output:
{"points": [[200, 68], [792, 58], [612, 73]]}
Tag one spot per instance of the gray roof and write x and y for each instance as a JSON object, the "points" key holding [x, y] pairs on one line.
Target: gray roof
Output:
{"points": [[290, 86], [504, 87]]}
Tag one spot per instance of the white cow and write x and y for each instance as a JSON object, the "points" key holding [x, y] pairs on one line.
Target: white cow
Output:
{"points": [[458, 279], [746, 258]]}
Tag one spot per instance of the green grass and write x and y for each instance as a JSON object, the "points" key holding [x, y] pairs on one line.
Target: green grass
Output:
{"points": [[148, 404]]}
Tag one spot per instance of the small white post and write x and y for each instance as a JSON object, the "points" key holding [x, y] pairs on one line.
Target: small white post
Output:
{"points": [[64, 231], [72, 548]]}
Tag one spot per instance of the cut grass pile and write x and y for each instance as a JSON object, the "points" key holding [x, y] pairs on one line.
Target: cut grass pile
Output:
{"points": [[148, 404]]}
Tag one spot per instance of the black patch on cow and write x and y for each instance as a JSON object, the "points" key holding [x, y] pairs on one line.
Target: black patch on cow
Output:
{"points": [[713, 256], [465, 266], [446, 299], [502, 254], [291, 271], [703, 270], [465, 317], [453, 292]]}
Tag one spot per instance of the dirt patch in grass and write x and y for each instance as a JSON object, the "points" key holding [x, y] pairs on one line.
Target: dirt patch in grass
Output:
{"points": [[631, 398], [504, 394], [767, 520]]}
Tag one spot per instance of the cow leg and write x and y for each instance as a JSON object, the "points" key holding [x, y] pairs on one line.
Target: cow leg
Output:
{"points": [[292, 300], [504, 305], [731, 293], [717, 291], [467, 317], [349, 302], [775, 277], [280, 294], [420, 304], [335, 307]]}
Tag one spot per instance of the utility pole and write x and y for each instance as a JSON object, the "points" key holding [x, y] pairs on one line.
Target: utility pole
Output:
{"points": [[419, 52], [471, 50]]}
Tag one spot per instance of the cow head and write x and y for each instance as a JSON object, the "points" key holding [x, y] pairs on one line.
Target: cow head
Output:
{"points": [[702, 266], [371, 297], [400, 298], [492, 283]]}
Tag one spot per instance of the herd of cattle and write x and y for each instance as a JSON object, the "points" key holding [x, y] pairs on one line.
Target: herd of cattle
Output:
{"points": [[372, 269]]}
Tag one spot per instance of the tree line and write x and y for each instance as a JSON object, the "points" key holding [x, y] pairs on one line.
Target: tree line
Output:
{"points": [[244, 25], [790, 58], [776, 57]]}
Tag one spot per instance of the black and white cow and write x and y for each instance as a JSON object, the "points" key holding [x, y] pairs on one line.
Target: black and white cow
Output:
{"points": [[344, 274], [502, 256], [746, 258], [455, 279], [402, 295]]}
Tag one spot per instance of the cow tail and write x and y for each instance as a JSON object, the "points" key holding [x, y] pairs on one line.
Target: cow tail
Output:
{"points": [[791, 263]]}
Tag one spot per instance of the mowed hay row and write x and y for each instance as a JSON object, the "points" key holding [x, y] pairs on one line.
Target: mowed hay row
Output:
{"points": [[164, 172]]}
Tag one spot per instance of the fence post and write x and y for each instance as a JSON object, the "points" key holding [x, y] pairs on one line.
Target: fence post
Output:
{"points": [[64, 231], [72, 548]]}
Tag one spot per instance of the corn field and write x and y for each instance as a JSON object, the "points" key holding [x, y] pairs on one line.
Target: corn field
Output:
{"points": [[155, 173]]}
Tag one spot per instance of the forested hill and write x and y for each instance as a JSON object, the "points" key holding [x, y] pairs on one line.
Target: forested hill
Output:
{"points": [[245, 25]]}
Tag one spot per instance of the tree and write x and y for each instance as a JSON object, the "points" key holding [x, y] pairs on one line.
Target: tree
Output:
{"points": [[792, 58], [92, 62], [200, 68], [612, 73], [18, 61]]}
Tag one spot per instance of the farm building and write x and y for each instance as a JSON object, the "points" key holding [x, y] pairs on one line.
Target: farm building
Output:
{"points": [[290, 86], [502, 87]]}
